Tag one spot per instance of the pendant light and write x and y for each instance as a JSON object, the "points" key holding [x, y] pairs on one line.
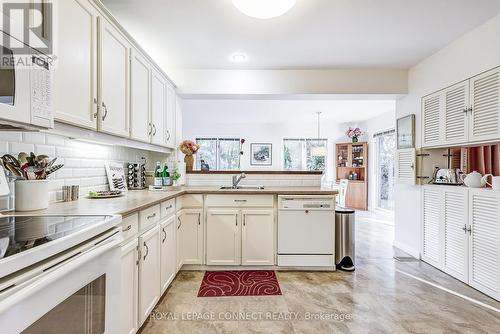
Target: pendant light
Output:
{"points": [[319, 151]]}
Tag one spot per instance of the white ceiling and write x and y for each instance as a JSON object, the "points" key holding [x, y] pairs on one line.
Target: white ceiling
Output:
{"points": [[314, 34], [279, 111]]}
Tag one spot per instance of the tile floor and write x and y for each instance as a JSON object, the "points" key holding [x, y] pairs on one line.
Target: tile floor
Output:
{"points": [[377, 298]]}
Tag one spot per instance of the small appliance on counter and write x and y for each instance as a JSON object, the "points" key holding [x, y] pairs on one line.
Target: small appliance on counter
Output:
{"points": [[136, 179], [445, 176]]}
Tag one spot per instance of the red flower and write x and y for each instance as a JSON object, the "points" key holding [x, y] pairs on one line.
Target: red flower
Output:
{"points": [[243, 141]]}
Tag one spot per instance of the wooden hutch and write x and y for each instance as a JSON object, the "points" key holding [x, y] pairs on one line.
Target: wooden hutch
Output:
{"points": [[352, 164]]}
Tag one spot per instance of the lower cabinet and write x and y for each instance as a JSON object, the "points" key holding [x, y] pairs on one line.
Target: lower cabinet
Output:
{"points": [[190, 235], [178, 250], [129, 288], [167, 254], [461, 235], [149, 272], [240, 237]]}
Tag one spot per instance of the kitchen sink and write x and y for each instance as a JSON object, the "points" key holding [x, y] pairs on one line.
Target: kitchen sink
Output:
{"points": [[249, 187]]}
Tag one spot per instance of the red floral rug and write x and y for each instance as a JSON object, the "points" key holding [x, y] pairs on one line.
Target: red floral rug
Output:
{"points": [[239, 283]]}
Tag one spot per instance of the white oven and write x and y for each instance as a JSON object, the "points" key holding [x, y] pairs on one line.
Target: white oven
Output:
{"points": [[26, 87], [75, 291]]}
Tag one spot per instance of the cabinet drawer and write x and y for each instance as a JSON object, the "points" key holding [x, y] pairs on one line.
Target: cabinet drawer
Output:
{"points": [[149, 217], [168, 208], [189, 202], [241, 201], [130, 226]]}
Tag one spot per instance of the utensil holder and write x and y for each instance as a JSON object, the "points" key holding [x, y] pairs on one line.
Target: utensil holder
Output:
{"points": [[31, 195]]}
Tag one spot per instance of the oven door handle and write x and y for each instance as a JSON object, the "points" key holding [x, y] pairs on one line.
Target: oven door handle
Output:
{"points": [[47, 277]]}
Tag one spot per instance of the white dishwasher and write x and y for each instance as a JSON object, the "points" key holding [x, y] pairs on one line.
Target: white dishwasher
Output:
{"points": [[306, 231]]}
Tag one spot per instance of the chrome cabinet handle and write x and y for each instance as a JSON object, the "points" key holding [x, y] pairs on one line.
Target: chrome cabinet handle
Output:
{"points": [[154, 128], [97, 109], [147, 251], [164, 235], [105, 111], [128, 228], [151, 216], [150, 129], [236, 216], [180, 222], [168, 135], [169, 207], [244, 220], [469, 229], [199, 219], [240, 200]]}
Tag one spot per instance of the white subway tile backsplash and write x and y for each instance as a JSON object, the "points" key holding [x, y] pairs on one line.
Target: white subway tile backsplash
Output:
{"points": [[55, 140], [65, 152], [34, 138], [15, 148], [10, 136], [45, 149], [72, 163]]}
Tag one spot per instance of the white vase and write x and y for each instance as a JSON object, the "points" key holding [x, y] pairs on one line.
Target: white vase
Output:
{"points": [[31, 195]]}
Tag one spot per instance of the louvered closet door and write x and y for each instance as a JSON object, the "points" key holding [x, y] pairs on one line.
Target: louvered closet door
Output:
{"points": [[431, 238], [484, 242], [405, 166], [485, 116], [455, 233], [431, 114], [455, 113]]}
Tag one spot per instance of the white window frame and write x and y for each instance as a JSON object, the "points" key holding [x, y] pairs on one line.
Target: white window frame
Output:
{"points": [[304, 151], [217, 150]]}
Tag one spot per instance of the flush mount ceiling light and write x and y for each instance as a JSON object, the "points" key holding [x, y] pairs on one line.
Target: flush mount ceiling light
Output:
{"points": [[238, 57], [264, 9]]}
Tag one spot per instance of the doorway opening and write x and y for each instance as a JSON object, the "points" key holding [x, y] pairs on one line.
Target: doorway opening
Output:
{"points": [[385, 151]]}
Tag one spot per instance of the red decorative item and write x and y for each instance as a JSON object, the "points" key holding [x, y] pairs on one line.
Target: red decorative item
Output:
{"points": [[239, 283]]}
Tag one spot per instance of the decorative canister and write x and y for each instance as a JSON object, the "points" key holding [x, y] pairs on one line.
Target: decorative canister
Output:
{"points": [[31, 195]]}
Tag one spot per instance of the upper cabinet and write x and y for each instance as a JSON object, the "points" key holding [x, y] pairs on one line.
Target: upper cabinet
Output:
{"points": [[466, 113], [140, 94], [170, 116], [158, 108], [76, 71], [113, 80]]}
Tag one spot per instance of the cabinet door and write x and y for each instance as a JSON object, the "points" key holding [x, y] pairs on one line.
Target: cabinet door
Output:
{"points": [[456, 122], [432, 106], [356, 196], [257, 238], [114, 80], [170, 116], [191, 236], [140, 91], [484, 242], [158, 108], [223, 237], [149, 272], [431, 230], [76, 71], [455, 233], [485, 99], [178, 249], [168, 257], [129, 288]]}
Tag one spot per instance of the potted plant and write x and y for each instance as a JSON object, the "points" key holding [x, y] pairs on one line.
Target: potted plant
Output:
{"points": [[354, 134], [189, 148]]}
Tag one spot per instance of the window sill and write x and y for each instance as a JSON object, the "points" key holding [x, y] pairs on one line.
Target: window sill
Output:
{"points": [[285, 172]]}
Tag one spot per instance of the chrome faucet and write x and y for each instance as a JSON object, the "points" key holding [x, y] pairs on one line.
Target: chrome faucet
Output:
{"points": [[237, 179]]}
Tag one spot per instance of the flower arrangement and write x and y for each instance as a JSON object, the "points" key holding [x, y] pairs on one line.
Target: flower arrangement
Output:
{"points": [[354, 134], [188, 147]]}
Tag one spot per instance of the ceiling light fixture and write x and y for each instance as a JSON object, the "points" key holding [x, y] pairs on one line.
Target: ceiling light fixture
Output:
{"points": [[264, 9], [238, 57], [318, 151]]}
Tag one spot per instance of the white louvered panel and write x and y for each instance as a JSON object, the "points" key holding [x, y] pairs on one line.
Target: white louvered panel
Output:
{"points": [[405, 166], [456, 104], [431, 248], [485, 242], [455, 237], [485, 100], [431, 110]]}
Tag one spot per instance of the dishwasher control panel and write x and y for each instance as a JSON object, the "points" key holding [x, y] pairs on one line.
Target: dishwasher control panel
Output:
{"points": [[306, 203]]}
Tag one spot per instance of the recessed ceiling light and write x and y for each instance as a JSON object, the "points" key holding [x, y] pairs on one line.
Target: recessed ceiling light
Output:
{"points": [[264, 9], [238, 57]]}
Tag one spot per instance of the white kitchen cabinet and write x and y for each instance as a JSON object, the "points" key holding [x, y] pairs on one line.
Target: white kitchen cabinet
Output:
{"points": [[431, 226], [149, 272], [168, 250], [140, 97], [223, 237], [170, 116], [431, 125], [484, 122], [455, 237], [484, 242], [158, 108], [455, 113], [114, 71], [178, 249], [191, 236], [76, 71], [257, 237], [129, 287]]}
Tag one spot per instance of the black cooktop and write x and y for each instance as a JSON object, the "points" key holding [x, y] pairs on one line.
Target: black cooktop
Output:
{"points": [[21, 233]]}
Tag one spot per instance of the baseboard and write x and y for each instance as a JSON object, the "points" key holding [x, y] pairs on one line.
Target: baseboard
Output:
{"points": [[405, 248]]}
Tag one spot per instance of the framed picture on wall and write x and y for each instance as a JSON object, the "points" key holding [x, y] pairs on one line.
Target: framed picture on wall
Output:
{"points": [[261, 154], [406, 132]]}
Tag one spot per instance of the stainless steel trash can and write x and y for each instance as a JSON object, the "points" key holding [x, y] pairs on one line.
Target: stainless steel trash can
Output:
{"points": [[344, 239]]}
